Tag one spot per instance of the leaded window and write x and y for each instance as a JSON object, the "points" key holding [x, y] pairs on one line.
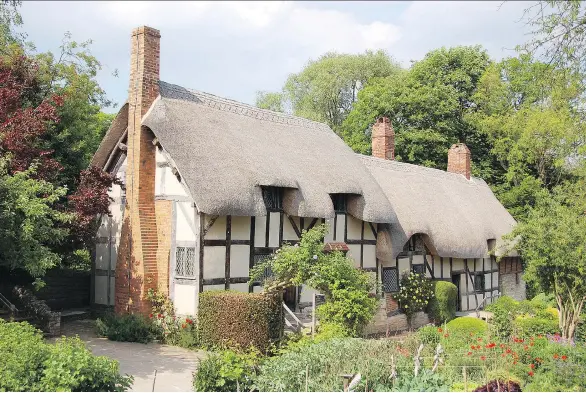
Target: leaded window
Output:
{"points": [[479, 282], [185, 262], [339, 201], [273, 198], [390, 279], [418, 269]]}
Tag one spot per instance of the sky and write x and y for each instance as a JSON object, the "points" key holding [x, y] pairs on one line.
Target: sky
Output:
{"points": [[234, 49]]}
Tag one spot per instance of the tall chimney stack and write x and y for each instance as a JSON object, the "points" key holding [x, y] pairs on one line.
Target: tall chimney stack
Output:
{"points": [[383, 139], [459, 160], [136, 268]]}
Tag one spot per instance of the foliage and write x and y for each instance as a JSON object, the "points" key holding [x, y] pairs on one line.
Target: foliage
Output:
{"points": [[326, 88], [463, 326], [162, 316], [425, 381], [559, 33], [430, 335], [499, 386], [324, 362], [127, 327], [89, 201], [551, 242], [443, 303], [35, 308], [347, 290], [529, 112], [30, 364], [227, 371], [504, 311], [230, 318], [427, 105], [415, 291], [527, 326]]}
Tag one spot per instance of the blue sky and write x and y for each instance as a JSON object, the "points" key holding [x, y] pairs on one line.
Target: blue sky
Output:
{"points": [[234, 49]]}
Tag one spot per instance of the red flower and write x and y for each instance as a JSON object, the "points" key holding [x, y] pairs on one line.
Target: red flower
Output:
{"points": [[479, 339], [531, 344], [556, 356], [564, 357], [538, 360], [446, 335], [469, 353], [440, 329], [189, 321], [526, 347], [150, 315], [473, 347], [514, 362], [540, 336], [184, 326], [530, 373], [532, 366], [160, 316], [508, 350], [483, 358], [471, 334], [502, 345]]}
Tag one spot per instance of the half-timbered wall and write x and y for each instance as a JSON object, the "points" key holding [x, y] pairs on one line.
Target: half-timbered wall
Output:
{"points": [[476, 278], [108, 240]]}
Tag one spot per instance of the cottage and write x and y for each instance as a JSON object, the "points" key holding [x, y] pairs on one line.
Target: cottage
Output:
{"points": [[212, 186]]}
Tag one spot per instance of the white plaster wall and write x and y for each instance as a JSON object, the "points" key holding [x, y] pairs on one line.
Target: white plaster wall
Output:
{"points": [[341, 222], [239, 287], [274, 228], [354, 227], [240, 228], [403, 266], [186, 227], [166, 183], [185, 299], [369, 258], [259, 231], [218, 229], [354, 253], [213, 287], [329, 237], [288, 231], [239, 261], [101, 294], [214, 262]]}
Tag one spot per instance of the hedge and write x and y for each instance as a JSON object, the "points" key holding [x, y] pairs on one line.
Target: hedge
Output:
{"points": [[229, 318], [442, 306], [465, 325]]}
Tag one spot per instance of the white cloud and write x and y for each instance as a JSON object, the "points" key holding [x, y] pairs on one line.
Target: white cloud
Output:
{"points": [[236, 48]]}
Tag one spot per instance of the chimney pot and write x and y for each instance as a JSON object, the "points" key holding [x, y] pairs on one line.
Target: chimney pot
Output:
{"points": [[459, 160], [383, 139]]}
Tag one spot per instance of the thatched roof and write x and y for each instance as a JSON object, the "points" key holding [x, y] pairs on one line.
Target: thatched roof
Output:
{"points": [[458, 216], [225, 150], [115, 132]]}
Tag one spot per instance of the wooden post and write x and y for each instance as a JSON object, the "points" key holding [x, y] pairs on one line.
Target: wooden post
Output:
{"points": [[465, 379], [313, 319]]}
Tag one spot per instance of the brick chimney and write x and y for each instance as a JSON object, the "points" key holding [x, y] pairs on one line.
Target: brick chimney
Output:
{"points": [[383, 139], [459, 160], [136, 268]]}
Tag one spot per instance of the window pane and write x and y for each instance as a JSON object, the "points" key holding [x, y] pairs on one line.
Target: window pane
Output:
{"points": [[390, 279], [185, 262], [419, 269]]}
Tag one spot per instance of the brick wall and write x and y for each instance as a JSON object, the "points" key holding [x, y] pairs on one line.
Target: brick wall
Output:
{"points": [[459, 160], [383, 139], [164, 211], [137, 267]]}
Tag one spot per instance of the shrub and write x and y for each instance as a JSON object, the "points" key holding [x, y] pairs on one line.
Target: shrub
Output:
{"points": [[164, 321], [429, 335], [30, 364], [464, 326], [228, 371], [237, 318], [188, 336], [499, 386], [127, 327], [442, 305], [503, 310], [415, 291], [531, 327]]}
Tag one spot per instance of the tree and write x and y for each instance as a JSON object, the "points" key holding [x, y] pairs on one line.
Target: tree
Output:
{"points": [[327, 87], [530, 113], [271, 101], [348, 302], [35, 222], [552, 243], [427, 105], [559, 33]]}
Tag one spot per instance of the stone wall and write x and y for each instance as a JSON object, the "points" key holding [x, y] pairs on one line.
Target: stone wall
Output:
{"points": [[393, 322], [513, 285]]}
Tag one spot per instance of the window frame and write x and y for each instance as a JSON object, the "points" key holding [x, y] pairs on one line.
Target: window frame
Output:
{"points": [[418, 266], [270, 195], [482, 281], [193, 276]]}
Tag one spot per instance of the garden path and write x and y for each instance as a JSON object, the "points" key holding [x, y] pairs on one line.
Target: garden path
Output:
{"points": [[173, 365]]}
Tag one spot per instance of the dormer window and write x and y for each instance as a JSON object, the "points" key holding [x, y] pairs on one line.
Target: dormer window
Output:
{"points": [[273, 197], [339, 201]]}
